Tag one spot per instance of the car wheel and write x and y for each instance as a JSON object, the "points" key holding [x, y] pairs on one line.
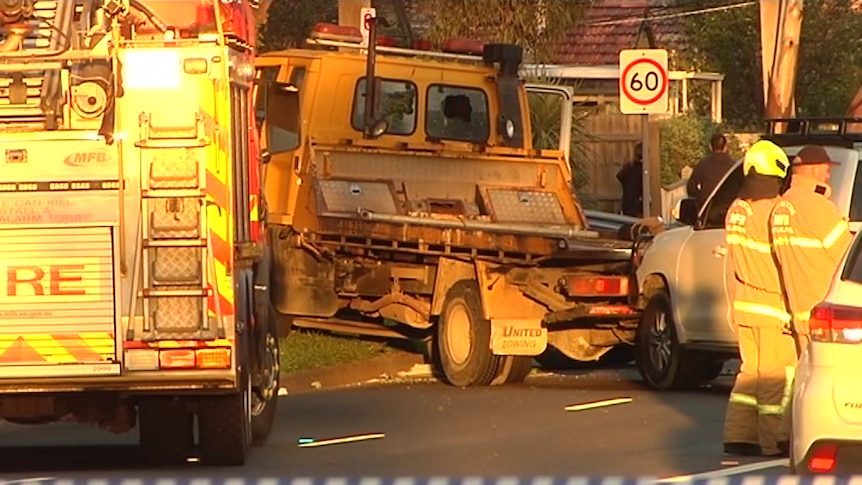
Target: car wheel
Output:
{"points": [[660, 359]]}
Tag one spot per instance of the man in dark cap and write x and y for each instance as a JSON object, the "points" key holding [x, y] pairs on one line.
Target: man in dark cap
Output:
{"points": [[809, 235]]}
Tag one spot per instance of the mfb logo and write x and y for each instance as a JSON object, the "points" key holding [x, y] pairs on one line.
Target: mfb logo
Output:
{"points": [[80, 159]]}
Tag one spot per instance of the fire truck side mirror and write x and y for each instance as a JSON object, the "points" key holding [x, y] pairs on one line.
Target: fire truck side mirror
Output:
{"points": [[282, 119]]}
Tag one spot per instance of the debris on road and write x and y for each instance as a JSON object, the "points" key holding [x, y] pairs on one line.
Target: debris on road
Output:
{"points": [[598, 404], [336, 441], [282, 391]]}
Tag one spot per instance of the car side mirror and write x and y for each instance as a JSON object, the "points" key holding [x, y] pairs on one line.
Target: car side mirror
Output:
{"points": [[688, 211]]}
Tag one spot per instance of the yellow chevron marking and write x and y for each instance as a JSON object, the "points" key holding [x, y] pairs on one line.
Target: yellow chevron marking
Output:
{"points": [[224, 282], [101, 343], [49, 348]]}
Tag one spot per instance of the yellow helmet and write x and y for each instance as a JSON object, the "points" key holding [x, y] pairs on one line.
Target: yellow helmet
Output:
{"points": [[766, 158]]}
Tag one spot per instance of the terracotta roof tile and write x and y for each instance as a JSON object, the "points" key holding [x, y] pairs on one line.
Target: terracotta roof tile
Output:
{"points": [[594, 42]]}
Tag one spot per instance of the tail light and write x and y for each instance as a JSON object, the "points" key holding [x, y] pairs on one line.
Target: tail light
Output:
{"points": [[823, 460], [836, 323], [578, 285]]}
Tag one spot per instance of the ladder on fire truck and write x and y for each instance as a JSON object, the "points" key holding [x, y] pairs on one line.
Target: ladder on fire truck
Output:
{"points": [[178, 272]]}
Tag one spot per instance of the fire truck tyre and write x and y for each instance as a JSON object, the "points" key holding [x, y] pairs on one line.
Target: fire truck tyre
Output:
{"points": [[224, 428], [264, 401], [464, 338], [166, 431], [661, 361]]}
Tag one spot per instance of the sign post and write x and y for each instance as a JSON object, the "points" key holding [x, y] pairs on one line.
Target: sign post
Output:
{"points": [[644, 91], [367, 16]]}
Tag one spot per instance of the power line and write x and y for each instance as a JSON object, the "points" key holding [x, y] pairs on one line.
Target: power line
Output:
{"points": [[673, 15]]}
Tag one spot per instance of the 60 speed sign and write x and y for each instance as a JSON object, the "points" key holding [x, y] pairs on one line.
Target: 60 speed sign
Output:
{"points": [[643, 81]]}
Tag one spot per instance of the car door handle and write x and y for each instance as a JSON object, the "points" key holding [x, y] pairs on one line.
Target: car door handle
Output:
{"points": [[719, 251]]}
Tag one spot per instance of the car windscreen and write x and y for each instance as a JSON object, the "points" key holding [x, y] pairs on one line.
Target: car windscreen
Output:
{"points": [[855, 213], [853, 267]]}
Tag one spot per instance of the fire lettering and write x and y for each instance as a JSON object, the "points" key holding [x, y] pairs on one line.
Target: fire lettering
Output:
{"points": [[33, 276], [13, 279]]}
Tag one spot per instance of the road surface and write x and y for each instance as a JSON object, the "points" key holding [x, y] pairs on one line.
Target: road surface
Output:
{"points": [[431, 429]]}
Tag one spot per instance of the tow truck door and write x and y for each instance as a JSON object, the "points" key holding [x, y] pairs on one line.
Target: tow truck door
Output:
{"points": [[551, 117]]}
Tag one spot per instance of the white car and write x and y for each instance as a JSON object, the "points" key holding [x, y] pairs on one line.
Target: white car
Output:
{"points": [[827, 396], [685, 284]]}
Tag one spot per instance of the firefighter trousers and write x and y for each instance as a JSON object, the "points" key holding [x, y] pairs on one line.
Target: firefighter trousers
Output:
{"points": [[758, 410]]}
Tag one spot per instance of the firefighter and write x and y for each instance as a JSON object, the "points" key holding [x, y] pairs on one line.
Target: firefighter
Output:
{"points": [[753, 425], [809, 235]]}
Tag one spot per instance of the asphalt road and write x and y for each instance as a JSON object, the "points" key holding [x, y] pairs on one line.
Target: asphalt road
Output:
{"points": [[432, 429]]}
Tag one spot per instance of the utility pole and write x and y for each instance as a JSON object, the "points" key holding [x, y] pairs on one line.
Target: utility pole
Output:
{"points": [[780, 27], [350, 12]]}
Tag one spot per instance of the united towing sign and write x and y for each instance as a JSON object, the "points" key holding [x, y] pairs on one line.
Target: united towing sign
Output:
{"points": [[643, 81]]}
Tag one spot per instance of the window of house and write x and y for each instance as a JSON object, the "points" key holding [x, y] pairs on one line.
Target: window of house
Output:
{"points": [[396, 102], [457, 113]]}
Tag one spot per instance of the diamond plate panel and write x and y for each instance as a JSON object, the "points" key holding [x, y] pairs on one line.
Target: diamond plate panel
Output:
{"points": [[508, 205], [177, 313], [177, 218], [350, 196], [172, 266], [173, 168]]}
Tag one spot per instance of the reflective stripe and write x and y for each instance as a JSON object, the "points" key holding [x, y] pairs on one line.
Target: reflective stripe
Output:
{"points": [[778, 409], [810, 242], [750, 243], [802, 316], [802, 242], [761, 309], [835, 233], [744, 399]]}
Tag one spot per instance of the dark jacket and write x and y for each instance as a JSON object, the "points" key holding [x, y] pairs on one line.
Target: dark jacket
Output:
{"points": [[707, 174], [631, 178]]}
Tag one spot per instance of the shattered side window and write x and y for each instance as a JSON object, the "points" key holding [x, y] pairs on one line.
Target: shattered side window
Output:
{"points": [[456, 113], [396, 102]]}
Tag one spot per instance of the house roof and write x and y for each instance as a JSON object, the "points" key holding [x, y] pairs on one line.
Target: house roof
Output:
{"points": [[611, 26]]}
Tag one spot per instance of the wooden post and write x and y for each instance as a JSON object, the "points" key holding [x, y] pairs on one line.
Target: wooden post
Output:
{"points": [[780, 24], [654, 169], [349, 12]]}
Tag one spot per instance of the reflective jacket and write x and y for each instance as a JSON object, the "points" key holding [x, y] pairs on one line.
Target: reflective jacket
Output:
{"points": [[810, 237], [757, 297]]}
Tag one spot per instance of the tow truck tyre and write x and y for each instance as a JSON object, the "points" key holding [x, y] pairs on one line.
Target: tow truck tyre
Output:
{"points": [[264, 402], [660, 360], [513, 369], [166, 430], [464, 338], [224, 427]]}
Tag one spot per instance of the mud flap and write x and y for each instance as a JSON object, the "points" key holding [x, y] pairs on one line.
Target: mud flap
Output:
{"points": [[518, 336]]}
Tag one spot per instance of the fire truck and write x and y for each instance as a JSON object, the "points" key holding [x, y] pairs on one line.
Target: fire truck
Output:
{"points": [[136, 278], [419, 198]]}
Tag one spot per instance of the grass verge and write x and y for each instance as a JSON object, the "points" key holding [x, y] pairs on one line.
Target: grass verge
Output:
{"points": [[306, 350]]}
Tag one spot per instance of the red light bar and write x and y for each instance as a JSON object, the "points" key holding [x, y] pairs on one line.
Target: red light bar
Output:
{"points": [[421, 45], [457, 45]]}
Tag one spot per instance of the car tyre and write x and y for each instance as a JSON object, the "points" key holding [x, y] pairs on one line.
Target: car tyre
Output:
{"points": [[660, 359]]}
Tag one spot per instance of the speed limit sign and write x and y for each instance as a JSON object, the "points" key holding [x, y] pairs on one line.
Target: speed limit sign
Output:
{"points": [[643, 81]]}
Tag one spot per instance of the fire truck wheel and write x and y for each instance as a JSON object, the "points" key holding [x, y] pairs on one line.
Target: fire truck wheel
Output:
{"points": [[660, 359], [166, 429], [464, 338], [264, 401], [224, 427]]}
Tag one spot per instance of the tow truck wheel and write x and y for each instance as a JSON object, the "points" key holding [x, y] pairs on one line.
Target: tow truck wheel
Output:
{"points": [[166, 431], [264, 401], [464, 338], [513, 369], [661, 361], [224, 427]]}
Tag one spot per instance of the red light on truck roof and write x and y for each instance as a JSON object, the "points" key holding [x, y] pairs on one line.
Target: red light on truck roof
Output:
{"points": [[344, 33], [421, 45], [458, 45], [824, 458]]}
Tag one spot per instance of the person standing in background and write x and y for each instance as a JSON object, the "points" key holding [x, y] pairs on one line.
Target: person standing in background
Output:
{"points": [[709, 170], [630, 176]]}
